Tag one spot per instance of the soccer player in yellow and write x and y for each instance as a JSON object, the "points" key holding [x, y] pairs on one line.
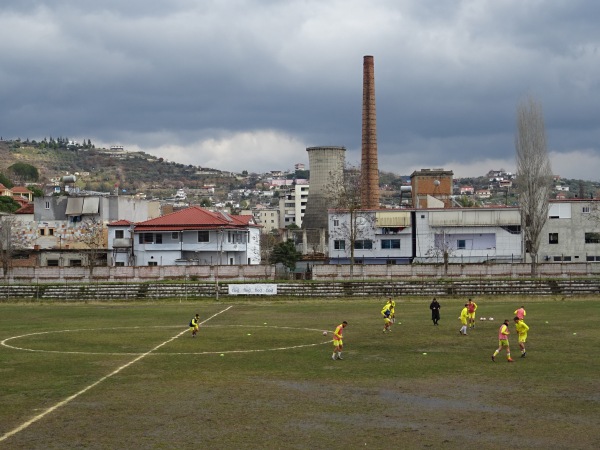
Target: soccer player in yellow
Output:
{"points": [[387, 321], [503, 342], [194, 325], [520, 313], [391, 307], [471, 307], [464, 317], [338, 345], [522, 330]]}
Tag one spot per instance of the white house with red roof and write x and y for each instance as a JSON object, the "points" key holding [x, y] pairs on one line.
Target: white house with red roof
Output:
{"points": [[191, 236]]}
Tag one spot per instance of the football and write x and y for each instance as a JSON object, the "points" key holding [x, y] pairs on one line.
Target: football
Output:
{"points": [[324, 333], [491, 318]]}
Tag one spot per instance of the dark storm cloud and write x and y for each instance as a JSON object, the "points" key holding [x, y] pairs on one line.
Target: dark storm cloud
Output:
{"points": [[250, 84]]}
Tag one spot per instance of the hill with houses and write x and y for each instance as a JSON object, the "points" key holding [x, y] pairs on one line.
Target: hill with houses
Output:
{"points": [[138, 173]]}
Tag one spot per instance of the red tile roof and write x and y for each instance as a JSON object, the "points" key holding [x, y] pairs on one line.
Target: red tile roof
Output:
{"points": [[21, 189], [21, 200], [194, 218], [26, 209], [120, 223]]}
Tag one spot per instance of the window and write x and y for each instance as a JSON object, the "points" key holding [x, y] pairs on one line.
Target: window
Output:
{"points": [[150, 238], [390, 262], [119, 264], [235, 237], [119, 234], [53, 263], [75, 262], [390, 243], [175, 235], [339, 245], [336, 223], [562, 258], [552, 238], [50, 231], [152, 263], [461, 244], [363, 244], [585, 210], [47, 205], [203, 236], [592, 238], [591, 258], [42, 232]]}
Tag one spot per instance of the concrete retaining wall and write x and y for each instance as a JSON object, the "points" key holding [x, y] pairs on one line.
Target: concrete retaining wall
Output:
{"points": [[75, 291], [40, 275]]}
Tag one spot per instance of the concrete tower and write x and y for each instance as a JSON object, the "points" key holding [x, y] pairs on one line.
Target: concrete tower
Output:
{"points": [[326, 166], [369, 166]]}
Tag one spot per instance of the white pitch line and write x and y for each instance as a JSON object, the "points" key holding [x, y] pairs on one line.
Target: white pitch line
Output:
{"points": [[87, 388], [5, 343]]}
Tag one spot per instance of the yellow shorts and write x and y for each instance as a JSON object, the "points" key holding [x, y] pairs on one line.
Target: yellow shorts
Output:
{"points": [[387, 321], [471, 315], [523, 338], [194, 327], [503, 343], [337, 343]]}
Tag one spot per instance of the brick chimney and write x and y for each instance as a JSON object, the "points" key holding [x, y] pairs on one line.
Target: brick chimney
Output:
{"points": [[369, 165]]}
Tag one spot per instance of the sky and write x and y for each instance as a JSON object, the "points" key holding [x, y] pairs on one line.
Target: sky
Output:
{"points": [[250, 84]]}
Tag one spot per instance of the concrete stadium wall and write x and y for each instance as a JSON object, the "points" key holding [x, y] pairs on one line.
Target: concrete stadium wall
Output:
{"points": [[41, 275], [75, 291], [390, 272]]}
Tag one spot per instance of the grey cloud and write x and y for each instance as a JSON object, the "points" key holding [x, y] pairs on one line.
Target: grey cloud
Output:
{"points": [[449, 76]]}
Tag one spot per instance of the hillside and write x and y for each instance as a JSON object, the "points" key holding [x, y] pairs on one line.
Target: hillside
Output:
{"points": [[101, 170]]}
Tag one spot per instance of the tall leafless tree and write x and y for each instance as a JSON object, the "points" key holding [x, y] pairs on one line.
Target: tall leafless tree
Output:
{"points": [[7, 242], [534, 175], [345, 195]]}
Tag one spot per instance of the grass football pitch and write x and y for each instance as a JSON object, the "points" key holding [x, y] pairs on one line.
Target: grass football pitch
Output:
{"points": [[260, 376]]}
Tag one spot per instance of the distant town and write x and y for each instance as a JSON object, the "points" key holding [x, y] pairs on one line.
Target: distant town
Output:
{"points": [[205, 216]]}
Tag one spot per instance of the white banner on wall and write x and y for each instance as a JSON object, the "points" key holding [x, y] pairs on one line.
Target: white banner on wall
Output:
{"points": [[252, 289]]}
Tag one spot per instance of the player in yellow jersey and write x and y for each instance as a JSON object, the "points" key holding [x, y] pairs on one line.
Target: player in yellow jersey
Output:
{"points": [[464, 319], [195, 325], [391, 307], [471, 308], [520, 313], [522, 330], [338, 344], [392, 310], [387, 321], [503, 342]]}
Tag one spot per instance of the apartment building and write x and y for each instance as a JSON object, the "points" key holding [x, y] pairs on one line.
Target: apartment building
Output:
{"points": [[292, 205]]}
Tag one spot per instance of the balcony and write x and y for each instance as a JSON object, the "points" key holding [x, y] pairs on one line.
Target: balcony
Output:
{"points": [[122, 243]]}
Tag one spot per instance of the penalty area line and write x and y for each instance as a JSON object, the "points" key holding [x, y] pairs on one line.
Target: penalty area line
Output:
{"points": [[96, 383]]}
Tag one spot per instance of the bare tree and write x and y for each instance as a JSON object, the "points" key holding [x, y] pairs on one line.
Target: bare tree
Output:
{"points": [[443, 248], [345, 196], [7, 242], [93, 236], [534, 175]]}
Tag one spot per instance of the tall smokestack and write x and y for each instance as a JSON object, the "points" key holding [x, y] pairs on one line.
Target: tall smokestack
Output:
{"points": [[369, 166]]}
